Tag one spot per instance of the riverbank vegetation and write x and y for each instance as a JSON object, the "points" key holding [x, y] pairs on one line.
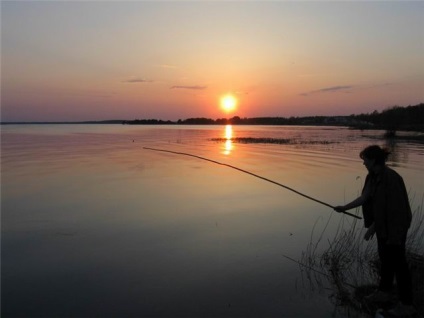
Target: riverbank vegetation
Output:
{"points": [[351, 266]]}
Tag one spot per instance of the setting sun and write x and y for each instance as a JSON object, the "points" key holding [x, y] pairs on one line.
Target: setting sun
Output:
{"points": [[228, 103]]}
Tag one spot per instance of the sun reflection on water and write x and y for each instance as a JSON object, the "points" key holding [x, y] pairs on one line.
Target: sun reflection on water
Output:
{"points": [[228, 136]]}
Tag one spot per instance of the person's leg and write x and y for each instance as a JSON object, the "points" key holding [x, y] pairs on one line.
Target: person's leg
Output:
{"points": [[383, 293], [387, 270], [402, 274], [403, 279]]}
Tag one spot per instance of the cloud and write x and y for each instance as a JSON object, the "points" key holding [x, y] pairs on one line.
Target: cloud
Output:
{"points": [[194, 87], [85, 93], [334, 89], [331, 89], [138, 80], [385, 84], [167, 66], [350, 88], [241, 92]]}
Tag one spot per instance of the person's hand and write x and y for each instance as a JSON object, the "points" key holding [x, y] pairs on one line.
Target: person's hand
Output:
{"points": [[339, 208], [370, 233]]}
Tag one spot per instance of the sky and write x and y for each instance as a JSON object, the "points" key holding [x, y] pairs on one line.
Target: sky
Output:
{"points": [[100, 60]]}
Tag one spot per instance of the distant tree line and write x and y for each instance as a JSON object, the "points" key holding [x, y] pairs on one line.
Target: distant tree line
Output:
{"points": [[148, 122], [391, 119], [236, 120]]}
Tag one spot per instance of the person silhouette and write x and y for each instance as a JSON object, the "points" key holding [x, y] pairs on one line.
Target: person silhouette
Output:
{"points": [[387, 214]]}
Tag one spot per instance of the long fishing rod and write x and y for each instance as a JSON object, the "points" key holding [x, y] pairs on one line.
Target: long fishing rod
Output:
{"points": [[252, 174]]}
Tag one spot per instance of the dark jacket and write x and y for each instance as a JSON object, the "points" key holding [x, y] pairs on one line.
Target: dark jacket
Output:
{"points": [[387, 205]]}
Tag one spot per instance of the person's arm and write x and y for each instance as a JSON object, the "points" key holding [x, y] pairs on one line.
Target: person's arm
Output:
{"points": [[354, 204], [357, 202]]}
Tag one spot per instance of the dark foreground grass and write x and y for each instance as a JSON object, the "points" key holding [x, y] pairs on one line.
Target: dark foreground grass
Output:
{"points": [[351, 266]]}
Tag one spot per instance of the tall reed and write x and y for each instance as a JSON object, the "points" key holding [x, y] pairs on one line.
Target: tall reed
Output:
{"points": [[350, 264]]}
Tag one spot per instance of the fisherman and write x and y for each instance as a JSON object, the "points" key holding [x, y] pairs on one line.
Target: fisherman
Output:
{"points": [[387, 214]]}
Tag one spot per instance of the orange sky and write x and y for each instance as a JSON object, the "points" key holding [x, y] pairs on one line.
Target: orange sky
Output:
{"points": [[174, 60]]}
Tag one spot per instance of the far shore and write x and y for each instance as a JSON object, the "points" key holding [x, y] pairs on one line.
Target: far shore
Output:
{"points": [[392, 120]]}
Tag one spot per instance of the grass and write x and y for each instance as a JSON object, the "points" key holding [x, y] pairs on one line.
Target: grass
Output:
{"points": [[351, 265], [280, 141]]}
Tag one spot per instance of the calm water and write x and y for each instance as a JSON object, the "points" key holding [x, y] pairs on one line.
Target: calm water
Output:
{"points": [[93, 225]]}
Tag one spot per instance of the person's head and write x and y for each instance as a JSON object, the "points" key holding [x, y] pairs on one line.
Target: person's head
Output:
{"points": [[374, 156]]}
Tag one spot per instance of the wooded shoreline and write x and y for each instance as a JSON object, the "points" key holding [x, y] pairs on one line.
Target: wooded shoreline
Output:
{"points": [[393, 119], [396, 118]]}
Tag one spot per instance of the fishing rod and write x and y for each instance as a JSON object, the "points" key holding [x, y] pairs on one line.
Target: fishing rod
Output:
{"points": [[252, 174]]}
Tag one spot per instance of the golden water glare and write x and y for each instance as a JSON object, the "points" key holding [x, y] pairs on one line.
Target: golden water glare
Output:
{"points": [[228, 136]]}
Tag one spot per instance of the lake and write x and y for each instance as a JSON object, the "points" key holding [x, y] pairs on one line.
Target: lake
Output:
{"points": [[94, 225]]}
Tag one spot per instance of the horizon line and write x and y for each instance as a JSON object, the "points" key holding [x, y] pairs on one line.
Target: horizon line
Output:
{"points": [[158, 119]]}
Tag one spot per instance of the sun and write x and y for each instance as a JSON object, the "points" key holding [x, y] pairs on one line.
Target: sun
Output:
{"points": [[228, 103]]}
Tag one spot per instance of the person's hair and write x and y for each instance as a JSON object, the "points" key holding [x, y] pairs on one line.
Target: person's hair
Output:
{"points": [[375, 152]]}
